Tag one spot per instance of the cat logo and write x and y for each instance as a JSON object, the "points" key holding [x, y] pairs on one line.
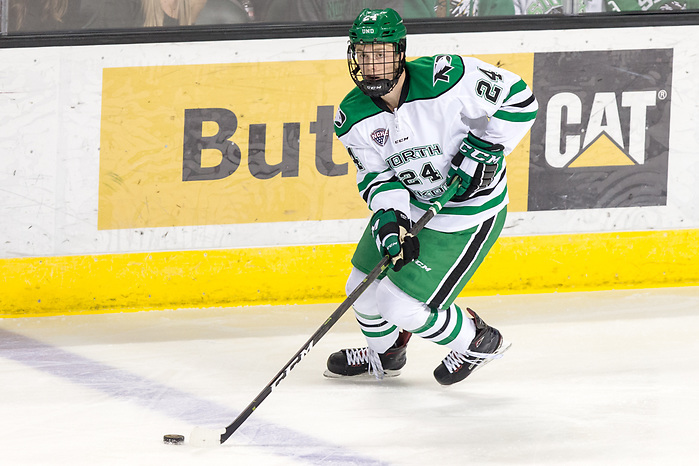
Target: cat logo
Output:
{"points": [[602, 136], [602, 141]]}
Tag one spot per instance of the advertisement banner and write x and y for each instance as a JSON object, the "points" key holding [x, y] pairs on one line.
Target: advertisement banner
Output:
{"points": [[254, 143], [237, 143], [602, 134], [222, 144]]}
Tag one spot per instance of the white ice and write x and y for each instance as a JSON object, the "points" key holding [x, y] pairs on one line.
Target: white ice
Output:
{"points": [[593, 378]]}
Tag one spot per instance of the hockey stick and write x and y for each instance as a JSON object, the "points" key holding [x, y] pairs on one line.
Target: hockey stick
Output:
{"points": [[202, 437]]}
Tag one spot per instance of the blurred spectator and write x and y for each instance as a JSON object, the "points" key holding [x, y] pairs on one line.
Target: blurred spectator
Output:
{"points": [[169, 12], [259, 8], [651, 5], [342, 10], [42, 15], [106, 14], [225, 12], [557, 7], [455, 8], [188, 12]]}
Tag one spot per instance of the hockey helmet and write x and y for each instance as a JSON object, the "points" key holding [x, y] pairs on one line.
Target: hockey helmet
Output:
{"points": [[376, 52]]}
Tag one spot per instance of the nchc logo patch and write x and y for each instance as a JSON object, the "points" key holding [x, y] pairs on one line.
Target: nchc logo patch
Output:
{"points": [[601, 137], [380, 136]]}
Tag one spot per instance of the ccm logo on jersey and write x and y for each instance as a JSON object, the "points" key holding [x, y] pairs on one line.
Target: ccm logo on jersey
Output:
{"points": [[442, 66]]}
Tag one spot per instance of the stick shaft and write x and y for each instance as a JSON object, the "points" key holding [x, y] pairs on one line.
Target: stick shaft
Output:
{"points": [[334, 317]]}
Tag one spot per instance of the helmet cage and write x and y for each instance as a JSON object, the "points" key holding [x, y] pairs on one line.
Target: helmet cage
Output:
{"points": [[391, 65]]}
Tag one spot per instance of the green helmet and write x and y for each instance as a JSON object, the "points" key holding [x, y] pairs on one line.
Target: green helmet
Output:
{"points": [[377, 27]]}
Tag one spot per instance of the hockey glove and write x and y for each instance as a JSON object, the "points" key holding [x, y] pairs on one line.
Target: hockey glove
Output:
{"points": [[390, 229], [476, 164]]}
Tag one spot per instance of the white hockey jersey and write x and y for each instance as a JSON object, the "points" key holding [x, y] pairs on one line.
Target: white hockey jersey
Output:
{"points": [[403, 157]]}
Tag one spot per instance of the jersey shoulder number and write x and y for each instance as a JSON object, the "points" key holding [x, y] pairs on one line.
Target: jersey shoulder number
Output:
{"points": [[488, 87]]}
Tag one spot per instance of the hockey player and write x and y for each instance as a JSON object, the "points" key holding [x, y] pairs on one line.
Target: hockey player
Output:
{"points": [[411, 128]]}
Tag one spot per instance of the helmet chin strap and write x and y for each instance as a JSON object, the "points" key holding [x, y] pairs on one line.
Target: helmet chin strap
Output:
{"points": [[378, 87]]}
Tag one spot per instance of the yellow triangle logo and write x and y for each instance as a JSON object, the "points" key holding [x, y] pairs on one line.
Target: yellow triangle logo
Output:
{"points": [[603, 152]]}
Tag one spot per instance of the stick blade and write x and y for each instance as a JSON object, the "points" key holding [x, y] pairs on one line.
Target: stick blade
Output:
{"points": [[203, 437]]}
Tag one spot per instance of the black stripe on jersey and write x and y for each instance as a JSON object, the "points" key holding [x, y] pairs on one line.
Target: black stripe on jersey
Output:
{"points": [[524, 104], [441, 330], [464, 264], [375, 184], [380, 324]]}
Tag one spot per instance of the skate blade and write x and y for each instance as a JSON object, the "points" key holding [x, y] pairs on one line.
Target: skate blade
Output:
{"points": [[503, 347], [363, 376]]}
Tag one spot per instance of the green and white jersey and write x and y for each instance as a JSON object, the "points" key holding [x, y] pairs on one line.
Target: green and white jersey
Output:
{"points": [[651, 5], [480, 8], [548, 7], [403, 157]]}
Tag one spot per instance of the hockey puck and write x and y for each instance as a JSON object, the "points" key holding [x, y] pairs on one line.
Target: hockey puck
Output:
{"points": [[173, 439]]}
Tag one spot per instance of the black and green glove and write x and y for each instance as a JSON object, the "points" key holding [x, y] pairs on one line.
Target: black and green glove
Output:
{"points": [[390, 229], [476, 164]]}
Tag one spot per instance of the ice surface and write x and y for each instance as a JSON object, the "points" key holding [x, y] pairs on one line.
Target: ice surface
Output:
{"points": [[592, 378]]}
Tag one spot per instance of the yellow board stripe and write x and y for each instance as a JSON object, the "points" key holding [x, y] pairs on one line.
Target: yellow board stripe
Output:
{"points": [[316, 274]]}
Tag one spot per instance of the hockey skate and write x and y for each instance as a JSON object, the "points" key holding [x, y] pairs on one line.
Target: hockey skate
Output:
{"points": [[355, 361], [487, 345]]}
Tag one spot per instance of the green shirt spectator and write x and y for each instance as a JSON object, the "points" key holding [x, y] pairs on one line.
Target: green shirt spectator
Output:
{"points": [[553, 7], [651, 5], [456, 8]]}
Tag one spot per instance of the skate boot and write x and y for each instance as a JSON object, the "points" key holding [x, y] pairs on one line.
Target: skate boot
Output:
{"points": [[486, 346], [355, 361]]}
